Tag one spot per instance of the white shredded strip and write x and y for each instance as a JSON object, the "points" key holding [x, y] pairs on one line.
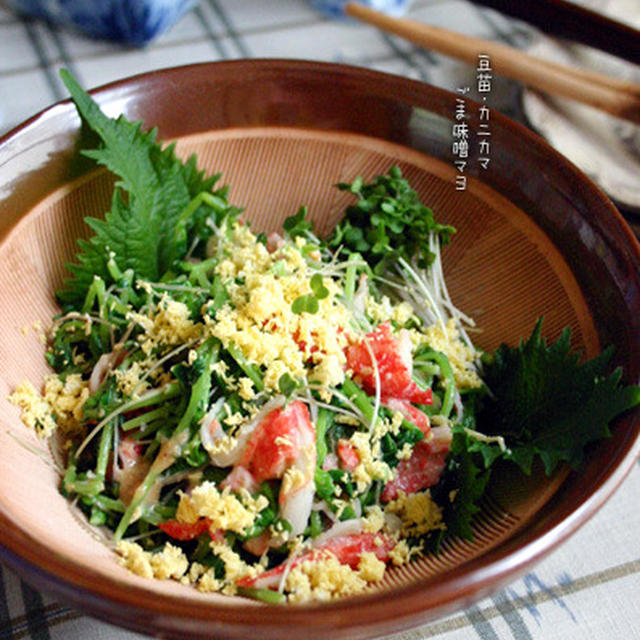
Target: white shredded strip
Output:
{"points": [[345, 412], [287, 568], [407, 270], [116, 412], [343, 398], [481, 437], [345, 528], [323, 507], [159, 363], [176, 287]]}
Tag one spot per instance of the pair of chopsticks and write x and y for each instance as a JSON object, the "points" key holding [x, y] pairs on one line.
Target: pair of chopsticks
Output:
{"points": [[620, 98], [573, 22]]}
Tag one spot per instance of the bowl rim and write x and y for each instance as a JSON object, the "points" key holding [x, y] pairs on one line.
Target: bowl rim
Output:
{"points": [[141, 609]]}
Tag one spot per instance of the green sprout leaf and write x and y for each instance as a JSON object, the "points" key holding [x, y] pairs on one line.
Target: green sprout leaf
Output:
{"points": [[318, 288], [287, 385], [298, 225], [305, 304], [388, 222]]}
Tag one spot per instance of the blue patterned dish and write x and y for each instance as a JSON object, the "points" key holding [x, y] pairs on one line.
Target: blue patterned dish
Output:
{"points": [[334, 8], [134, 22]]}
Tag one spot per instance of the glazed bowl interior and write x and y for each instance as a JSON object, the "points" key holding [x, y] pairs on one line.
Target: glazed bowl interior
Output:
{"points": [[535, 238]]}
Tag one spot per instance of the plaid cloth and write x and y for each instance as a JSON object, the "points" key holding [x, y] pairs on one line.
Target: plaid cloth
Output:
{"points": [[586, 589]]}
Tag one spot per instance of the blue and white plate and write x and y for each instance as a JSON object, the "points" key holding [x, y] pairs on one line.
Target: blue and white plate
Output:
{"points": [[134, 22], [334, 8]]}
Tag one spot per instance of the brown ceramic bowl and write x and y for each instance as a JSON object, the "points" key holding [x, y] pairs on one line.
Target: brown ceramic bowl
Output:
{"points": [[535, 238]]}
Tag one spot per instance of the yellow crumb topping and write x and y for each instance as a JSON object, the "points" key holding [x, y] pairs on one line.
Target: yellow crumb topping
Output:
{"points": [[245, 389], [171, 562], [374, 520], [234, 420], [260, 322], [417, 512], [460, 356], [130, 380], [169, 324], [324, 578], [370, 569], [385, 310], [36, 411], [60, 406], [235, 569], [227, 511], [371, 467], [66, 400], [134, 558], [405, 452], [403, 553], [293, 480], [206, 580]]}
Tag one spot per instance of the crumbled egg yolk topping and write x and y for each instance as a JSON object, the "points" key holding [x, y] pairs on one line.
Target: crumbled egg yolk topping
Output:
{"points": [[402, 553], [245, 389], [447, 340], [226, 510], [298, 477], [325, 578], [374, 520], [130, 381], [36, 411], [171, 562], [169, 323], [235, 569], [64, 400], [320, 578], [384, 310], [259, 320], [371, 467], [417, 512]]}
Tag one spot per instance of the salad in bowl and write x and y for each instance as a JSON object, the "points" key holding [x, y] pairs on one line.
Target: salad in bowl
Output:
{"points": [[285, 416]]}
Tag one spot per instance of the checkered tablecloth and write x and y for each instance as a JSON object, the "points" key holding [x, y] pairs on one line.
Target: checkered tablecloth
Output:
{"points": [[590, 587]]}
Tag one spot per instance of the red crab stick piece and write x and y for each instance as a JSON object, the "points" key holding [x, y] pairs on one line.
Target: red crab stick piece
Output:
{"points": [[421, 471], [410, 413], [347, 550], [285, 439], [347, 454], [427, 461], [184, 530], [277, 441], [395, 365]]}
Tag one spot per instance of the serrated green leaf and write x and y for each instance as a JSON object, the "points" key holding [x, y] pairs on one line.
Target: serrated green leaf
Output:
{"points": [[467, 477], [545, 403], [143, 230]]}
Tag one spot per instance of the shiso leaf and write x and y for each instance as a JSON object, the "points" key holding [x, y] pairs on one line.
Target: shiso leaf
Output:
{"points": [[145, 229]]}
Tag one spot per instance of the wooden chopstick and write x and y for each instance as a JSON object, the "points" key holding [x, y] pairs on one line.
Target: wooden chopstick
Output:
{"points": [[620, 98], [571, 21]]}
